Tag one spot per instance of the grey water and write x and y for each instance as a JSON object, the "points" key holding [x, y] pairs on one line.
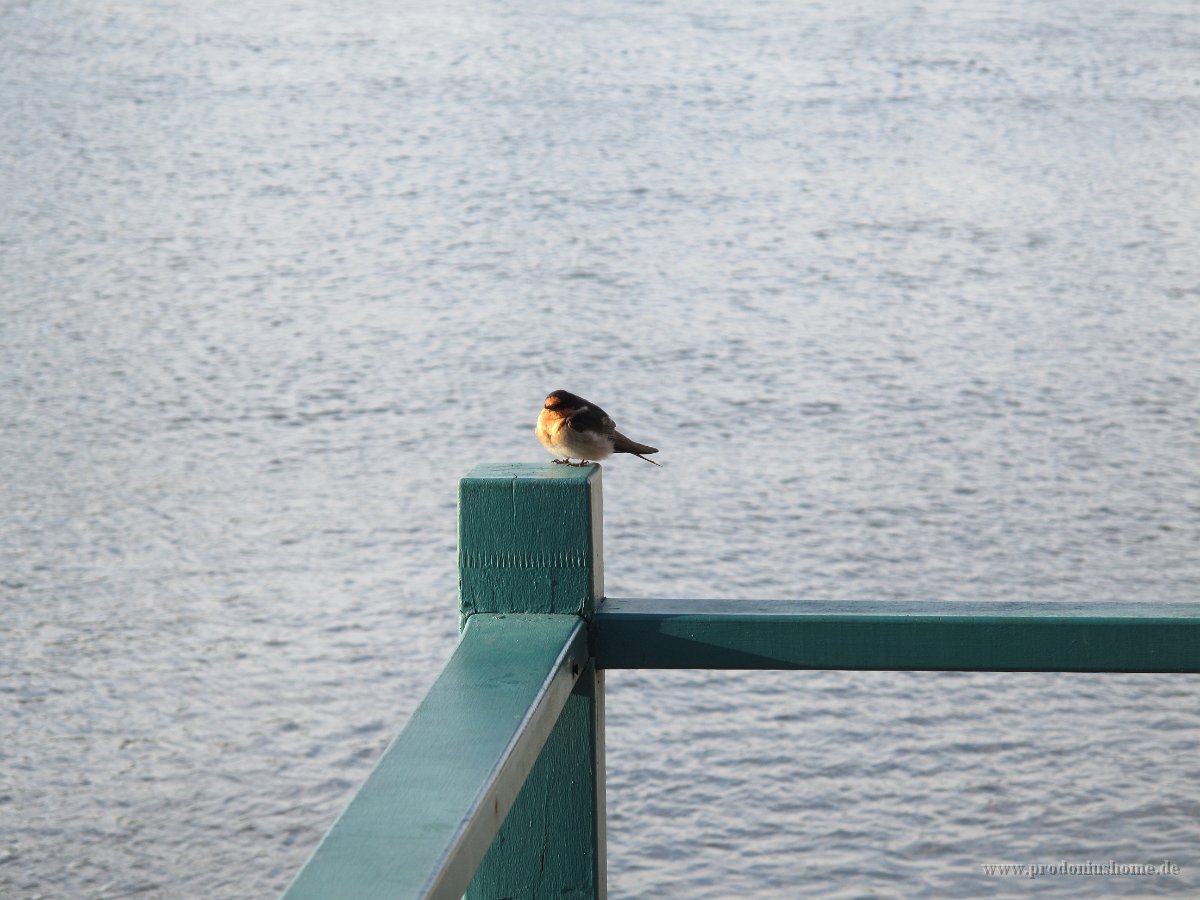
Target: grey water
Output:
{"points": [[906, 293]]}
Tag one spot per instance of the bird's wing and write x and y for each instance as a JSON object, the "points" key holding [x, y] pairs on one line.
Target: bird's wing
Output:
{"points": [[591, 418]]}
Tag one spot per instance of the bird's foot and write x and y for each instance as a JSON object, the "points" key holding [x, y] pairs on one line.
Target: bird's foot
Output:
{"points": [[559, 462], [580, 464]]}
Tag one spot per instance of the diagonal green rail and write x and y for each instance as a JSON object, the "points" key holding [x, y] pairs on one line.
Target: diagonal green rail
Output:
{"points": [[495, 787], [427, 814]]}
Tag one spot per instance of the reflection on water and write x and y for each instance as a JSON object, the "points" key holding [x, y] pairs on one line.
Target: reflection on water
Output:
{"points": [[905, 294]]}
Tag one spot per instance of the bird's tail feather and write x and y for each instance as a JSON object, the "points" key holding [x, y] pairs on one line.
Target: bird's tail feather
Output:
{"points": [[622, 444]]}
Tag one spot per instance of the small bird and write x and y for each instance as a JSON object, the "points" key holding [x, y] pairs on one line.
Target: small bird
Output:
{"points": [[570, 426]]}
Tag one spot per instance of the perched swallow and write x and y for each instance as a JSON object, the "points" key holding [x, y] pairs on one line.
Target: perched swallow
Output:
{"points": [[570, 426]]}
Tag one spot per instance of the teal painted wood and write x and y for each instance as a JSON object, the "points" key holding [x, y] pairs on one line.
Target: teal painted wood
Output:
{"points": [[553, 842], [530, 543], [900, 635], [427, 814], [530, 539]]}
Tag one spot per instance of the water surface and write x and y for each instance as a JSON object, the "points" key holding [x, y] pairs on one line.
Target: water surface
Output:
{"points": [[906, 293]]}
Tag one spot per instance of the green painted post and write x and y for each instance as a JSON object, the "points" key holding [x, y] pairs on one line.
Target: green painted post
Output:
{"points": [[530, 542]]}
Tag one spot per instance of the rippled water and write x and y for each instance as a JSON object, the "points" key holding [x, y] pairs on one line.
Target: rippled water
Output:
{"points": [[907, 295]]}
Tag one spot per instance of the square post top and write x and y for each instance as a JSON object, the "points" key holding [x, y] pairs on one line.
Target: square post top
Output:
{"points": [[530, 539]]}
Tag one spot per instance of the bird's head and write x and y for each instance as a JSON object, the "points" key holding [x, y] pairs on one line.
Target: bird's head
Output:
{"points": [[564, 402]]}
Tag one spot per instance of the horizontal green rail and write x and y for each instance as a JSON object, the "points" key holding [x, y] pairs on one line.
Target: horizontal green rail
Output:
{"points": [[896, 635], [425, 817]]}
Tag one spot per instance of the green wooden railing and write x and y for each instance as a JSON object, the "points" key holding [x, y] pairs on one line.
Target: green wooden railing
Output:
{"points": [[495, 788]]}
